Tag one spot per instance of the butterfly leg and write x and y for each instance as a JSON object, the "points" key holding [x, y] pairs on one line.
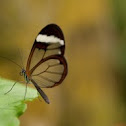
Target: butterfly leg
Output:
{"points": [[11, 88], [44, 96], [38, 96], [25, 91]]}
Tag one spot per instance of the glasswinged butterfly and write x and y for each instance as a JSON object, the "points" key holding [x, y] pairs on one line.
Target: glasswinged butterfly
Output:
{"points": [[46, 66]]}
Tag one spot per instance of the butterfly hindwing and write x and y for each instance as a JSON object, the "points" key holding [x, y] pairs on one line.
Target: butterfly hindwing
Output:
{"points": [[51, 72], [46, 64]]}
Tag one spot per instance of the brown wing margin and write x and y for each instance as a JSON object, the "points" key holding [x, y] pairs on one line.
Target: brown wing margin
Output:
{"points": [[35, 45], [62, 61]]}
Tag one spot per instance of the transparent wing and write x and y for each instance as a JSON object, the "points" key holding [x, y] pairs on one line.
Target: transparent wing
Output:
{"points": [[40, 53], [46, 64], [50, 72], [49, 41]]}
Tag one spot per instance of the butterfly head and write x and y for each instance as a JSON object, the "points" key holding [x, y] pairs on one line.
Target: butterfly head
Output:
{"points": [[23, 73]]}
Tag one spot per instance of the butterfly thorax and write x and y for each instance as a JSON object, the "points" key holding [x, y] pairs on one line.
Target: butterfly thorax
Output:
{"points": [[23, 73]]}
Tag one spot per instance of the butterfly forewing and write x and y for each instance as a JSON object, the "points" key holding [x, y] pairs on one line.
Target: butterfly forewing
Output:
{"points": [[46, 64]]}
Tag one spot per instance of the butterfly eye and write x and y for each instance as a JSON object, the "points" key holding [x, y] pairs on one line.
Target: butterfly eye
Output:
{"points": [[21, 74]]}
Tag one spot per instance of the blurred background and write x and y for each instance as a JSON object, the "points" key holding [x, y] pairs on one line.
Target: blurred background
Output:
{"points": [[94, 92]]}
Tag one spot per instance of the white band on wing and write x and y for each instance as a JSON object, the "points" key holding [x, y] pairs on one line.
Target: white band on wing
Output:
{"points": [[49, 39]]}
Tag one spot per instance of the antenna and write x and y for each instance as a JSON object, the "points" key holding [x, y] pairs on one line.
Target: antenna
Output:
{"points": [[11, 61], [20, 53]]}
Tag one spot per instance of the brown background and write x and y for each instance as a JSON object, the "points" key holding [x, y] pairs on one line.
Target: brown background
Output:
{"points": [[91, 93]]}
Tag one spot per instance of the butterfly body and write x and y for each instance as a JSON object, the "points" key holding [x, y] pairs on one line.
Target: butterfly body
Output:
{"points": [[23, 73], [46, 66]]}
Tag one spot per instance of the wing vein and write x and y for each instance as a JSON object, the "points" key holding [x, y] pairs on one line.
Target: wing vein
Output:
{"points": [[53, 72], [54, 65], [41, 72], [47, 79], [53, 48]]}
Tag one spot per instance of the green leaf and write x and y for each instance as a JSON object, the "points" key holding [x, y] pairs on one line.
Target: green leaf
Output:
{"points": [[12, 105]]}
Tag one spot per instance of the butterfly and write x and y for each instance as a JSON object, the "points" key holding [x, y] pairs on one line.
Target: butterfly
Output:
{"points": [[46, 66]]}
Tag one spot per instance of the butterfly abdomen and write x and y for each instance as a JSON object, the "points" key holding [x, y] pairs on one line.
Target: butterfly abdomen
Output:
{"points": [[26, 78]]}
